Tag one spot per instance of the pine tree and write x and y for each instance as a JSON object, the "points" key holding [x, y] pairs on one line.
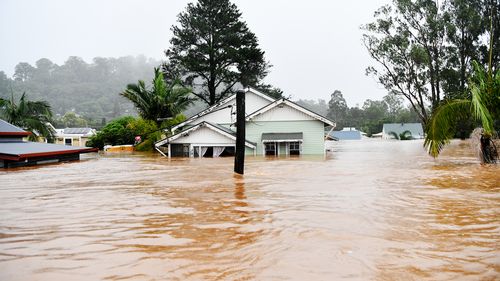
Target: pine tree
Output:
{"points": [[213, 45]]}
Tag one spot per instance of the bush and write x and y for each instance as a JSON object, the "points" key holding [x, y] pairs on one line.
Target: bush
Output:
{"points": [[114, 133], [123, 131], [148, 130]]}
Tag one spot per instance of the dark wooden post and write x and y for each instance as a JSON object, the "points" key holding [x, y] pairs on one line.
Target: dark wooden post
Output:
{"points": [[239, 159]]}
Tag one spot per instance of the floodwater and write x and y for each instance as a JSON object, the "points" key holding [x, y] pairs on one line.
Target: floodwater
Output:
{"points": [[370, 210]]}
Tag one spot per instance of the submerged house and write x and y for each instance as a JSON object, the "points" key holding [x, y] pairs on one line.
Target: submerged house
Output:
{"points": [[273, 127], [74, 136], [345, 134], [416, 130], [14, 152]]}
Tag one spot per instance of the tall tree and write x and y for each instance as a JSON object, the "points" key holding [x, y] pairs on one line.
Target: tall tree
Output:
{"points": [[5, 84], [161, 101], [406, 40], [337, 109], [482, 104], [464, 26], [33, 116], [213, 45], [23, 71], [394, 104]]}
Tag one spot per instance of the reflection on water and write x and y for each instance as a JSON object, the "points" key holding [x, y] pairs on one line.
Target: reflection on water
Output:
{"points": [[370, 210]]}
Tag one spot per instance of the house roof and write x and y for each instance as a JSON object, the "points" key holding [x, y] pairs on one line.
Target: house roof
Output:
{"points": [[346, 135], [281, 137], [293, 105], [415, 128], [214, 127], [20, 150], [7, 129], [218, 106], [77, 131]]}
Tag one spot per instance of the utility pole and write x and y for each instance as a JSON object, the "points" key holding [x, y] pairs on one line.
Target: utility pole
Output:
{"points": [[239, 159]]}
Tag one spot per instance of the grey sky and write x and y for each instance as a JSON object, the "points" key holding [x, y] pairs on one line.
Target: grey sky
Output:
{"points": [[314, 46]]}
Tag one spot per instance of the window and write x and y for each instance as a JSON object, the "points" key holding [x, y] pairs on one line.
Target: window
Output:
{"points": [[270, 148], [68, 142], [294, 148]]}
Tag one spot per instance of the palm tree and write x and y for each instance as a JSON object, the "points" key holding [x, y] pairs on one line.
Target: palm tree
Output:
{"points": [[160, 102], [482, 104], [33, 116], [406, 135]]}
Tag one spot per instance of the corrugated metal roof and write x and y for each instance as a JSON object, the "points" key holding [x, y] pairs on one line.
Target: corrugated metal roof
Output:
{"points": [[6, 127], [22, 148], [77, 131], [282, 136], [346, 135]]}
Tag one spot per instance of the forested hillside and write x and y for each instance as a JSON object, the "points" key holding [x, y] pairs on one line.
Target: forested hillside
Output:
{"points": [[88, 89]]}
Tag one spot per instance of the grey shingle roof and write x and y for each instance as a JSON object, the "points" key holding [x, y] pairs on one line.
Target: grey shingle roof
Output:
{"points": [[281, 136]]}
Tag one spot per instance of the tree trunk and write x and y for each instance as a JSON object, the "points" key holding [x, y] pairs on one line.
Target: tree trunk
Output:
{"points": [[489, 153], [211, 90]]}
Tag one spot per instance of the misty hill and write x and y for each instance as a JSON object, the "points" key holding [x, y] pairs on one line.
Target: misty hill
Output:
{"points": [[89, 89]]}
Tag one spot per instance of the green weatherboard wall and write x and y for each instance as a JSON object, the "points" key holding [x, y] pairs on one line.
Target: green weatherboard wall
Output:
{"points": [[313, 134]]}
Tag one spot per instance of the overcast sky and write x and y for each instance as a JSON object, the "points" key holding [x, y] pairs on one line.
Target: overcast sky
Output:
{"points": [[314, 46]]}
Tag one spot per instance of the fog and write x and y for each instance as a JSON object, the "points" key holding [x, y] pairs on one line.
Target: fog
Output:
{"points": [[314, 46]]}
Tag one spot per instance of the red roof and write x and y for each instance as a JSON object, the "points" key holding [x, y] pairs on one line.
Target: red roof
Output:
{"points": [[7, 129], [21, 150]]}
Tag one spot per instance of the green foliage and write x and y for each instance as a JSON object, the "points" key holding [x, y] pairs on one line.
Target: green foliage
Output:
{"points": [[124, 130], [483, 105], [70, 120], [337, 109], [162, 101], [88, 89], [320, 106], [148, 130], [214, 46], [464, 26], [169, 123], [32, 116], [115, 132], [423, 51], [373, 114], [406, 135], [270, 90], [440, 129]]}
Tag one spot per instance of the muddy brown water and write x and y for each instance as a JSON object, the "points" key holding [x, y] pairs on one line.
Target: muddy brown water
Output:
{"points": [[370, 210]]}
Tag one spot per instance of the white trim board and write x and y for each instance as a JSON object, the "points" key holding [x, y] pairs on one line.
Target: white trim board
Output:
{"points": [[218, 106], [292, 105]]}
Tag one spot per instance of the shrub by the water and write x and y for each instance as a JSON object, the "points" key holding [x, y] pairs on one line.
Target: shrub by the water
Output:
{"points": [[114, 133], [124, 130]]}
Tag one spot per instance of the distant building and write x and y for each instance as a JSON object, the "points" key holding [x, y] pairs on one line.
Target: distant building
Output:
{"points": [[14, 152], [346, 134], [417, 132], [74, 136]]}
